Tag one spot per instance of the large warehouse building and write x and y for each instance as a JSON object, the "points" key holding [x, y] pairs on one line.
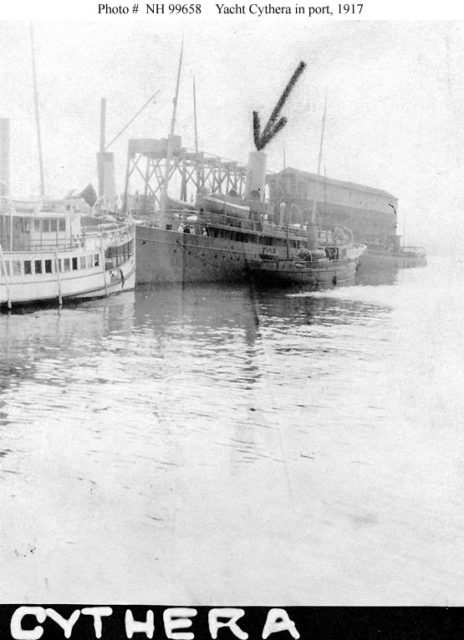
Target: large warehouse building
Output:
{"points": [[370, 213]]}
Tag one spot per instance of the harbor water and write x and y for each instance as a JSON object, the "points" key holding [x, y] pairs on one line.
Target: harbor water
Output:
{"points": [[216, 444]]}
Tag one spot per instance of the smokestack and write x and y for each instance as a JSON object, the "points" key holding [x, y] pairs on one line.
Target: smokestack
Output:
{"points": [[105, 160], [106, 180], [311, 230], [4, 157], [256, 176]]}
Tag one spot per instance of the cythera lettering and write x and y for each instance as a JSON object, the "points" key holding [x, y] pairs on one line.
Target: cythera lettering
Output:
{"points": [[134, 626], [16, 628], [278, 620], [97, 613], [232, 616], [178, 618], [65, 624]]}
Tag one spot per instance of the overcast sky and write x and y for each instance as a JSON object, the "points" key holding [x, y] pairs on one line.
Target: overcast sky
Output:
{"points": [[395, 101]]}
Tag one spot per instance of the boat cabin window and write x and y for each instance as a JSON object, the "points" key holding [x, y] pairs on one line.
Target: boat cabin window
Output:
{"points": [[15, 268], [27, 267], [89, 262], [50, 225], [74, 264], [66, 264], [38, 266], [96, 259], [48, 266], [82, 262]]}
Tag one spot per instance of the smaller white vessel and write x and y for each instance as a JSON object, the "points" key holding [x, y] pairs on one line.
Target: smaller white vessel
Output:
{"points": [[58, 251]]}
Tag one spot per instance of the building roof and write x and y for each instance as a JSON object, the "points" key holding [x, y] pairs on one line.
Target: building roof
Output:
{"points": [[340, 183]]}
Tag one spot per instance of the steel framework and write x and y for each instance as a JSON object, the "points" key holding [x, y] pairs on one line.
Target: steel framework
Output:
{"points": [[189, 173]]}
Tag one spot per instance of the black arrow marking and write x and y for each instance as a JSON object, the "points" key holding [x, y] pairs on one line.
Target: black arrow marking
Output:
{"points": [[274, 124]]}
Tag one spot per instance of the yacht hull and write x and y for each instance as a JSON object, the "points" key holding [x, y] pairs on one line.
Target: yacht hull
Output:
{"points": [[288, 272], [26, 290], [170, 256]]}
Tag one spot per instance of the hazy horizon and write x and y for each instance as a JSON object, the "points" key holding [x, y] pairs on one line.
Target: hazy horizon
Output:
{"points": [[395, 117]]}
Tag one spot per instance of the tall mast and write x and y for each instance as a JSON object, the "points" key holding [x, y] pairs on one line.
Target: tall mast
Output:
{"points": [[37, 119], [195, 115], [199, 169], [325, 190], [322, 137], [164, 193], [100, 156]]}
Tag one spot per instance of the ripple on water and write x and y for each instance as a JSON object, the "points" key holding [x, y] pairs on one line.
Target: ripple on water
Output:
{"points": [[299, 433]]}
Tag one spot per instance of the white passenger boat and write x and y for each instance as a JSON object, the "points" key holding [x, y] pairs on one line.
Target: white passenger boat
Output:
{"points": [[59, 252]]}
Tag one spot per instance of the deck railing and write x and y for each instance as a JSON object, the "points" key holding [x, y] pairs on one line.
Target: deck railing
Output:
{"points": [[325, 235], [92, 237]]}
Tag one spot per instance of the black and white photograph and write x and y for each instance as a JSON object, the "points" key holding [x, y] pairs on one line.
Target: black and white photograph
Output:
{"points": [[231, 307]]}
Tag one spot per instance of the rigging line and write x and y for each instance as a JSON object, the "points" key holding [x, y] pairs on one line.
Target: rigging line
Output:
{"points": [[150, 99], [164, 194], [37, 119], [322, 136]]}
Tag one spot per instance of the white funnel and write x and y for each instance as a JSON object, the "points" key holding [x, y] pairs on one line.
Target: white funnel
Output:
{"points": [[106, 180], [256, 175]]}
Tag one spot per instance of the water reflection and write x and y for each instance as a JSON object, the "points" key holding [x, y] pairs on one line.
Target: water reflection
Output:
{"points": [[103, 355], [252, 432], [387, 277]]}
